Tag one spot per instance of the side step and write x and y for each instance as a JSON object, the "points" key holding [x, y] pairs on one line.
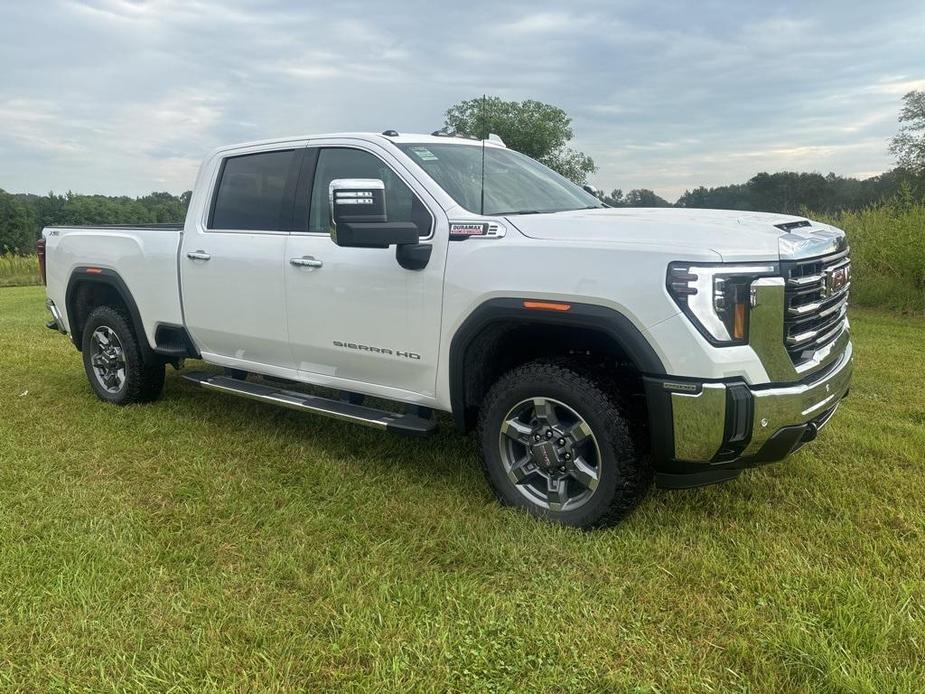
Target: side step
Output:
{"points": [[338, 409]]}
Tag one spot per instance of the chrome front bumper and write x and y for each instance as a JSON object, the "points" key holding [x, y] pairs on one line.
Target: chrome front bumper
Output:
{"points": [[731, 425]]}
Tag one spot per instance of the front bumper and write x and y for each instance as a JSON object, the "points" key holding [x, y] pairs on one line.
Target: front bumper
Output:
{"points": [[708, 432]]}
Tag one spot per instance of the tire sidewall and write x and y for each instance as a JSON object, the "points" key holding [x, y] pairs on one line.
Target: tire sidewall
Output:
{"points": [[613, 440], [105, 316]]}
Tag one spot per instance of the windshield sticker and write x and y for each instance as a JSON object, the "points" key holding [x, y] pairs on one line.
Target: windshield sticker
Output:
{"points": [[463, 230], [424, 154]]}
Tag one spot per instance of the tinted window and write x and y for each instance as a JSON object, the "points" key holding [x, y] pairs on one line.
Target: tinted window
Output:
{"points": [[251, 191], [497, 181], [401, 204]]}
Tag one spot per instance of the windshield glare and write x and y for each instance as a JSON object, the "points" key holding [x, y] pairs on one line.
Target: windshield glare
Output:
{"points": [[514, 183]]}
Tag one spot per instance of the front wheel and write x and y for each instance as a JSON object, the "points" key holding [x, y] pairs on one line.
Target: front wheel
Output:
{"points": [[114, 362], [557, 444]]}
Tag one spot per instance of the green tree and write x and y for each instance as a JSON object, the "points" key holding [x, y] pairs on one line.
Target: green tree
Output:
{"points": [[643, 197], [539, 130], [908, 145], [17, 225]]}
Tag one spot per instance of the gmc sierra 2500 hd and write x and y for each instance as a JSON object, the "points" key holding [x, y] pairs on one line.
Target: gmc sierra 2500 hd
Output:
{"points": [[593, 349]]}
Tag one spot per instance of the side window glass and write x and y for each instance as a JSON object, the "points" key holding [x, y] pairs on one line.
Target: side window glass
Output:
{"points": [[251, 192], [401, 204]]}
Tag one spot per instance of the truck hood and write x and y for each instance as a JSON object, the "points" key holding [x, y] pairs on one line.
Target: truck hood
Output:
{"points": [[735, 236]]}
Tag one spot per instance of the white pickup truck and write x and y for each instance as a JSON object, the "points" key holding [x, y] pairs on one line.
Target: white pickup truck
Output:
{"points": [[593, 349]]}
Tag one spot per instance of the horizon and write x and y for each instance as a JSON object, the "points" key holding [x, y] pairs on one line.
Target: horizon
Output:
{"points": [[663, 97]]}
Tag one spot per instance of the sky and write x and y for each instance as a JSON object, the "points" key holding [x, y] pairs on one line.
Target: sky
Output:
{"points": [[127, 96]]}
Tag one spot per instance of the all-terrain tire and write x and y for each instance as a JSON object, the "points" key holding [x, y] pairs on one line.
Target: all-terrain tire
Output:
{"points": [[142, 381], [623, 469]]}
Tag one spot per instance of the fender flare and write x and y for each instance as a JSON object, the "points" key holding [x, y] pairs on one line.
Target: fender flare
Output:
{"points": [[512, 310], [83, 274]]}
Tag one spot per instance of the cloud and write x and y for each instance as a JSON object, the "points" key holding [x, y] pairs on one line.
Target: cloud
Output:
{"points": [[127, 95]]}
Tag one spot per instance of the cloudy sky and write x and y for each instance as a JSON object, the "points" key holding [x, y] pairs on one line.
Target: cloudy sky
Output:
{"points": [[125, 96]]}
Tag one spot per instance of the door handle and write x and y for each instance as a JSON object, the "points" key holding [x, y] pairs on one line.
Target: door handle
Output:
{"points": [[198, 255], [306, 261]]}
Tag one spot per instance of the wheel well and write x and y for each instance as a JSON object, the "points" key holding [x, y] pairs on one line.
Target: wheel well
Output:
{"points": [[86, 296], [500, 347]]}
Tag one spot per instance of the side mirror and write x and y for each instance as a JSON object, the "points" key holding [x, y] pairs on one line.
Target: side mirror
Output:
{"points": [[359, 218]]}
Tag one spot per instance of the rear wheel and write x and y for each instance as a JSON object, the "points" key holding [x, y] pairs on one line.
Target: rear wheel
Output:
{"points": [[114, 362], [557, 444]]}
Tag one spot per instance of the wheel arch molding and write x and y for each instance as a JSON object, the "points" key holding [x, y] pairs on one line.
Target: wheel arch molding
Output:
{"points": [[112, 285], [504, 314]]}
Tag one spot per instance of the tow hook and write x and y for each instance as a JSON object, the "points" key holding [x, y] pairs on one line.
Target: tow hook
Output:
{"points": [[812, 431]]}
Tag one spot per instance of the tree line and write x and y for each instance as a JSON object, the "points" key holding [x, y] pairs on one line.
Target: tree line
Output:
{"points": [[541, 131], [23, 215]]}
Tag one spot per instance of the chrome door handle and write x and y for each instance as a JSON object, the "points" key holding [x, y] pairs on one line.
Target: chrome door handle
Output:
{"points": [[198, 255], [306, 261]]}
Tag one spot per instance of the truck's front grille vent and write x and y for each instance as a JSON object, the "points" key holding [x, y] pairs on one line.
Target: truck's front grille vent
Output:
{"points": [[816, 302]]}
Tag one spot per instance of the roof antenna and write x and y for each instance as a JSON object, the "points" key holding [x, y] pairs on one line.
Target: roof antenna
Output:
{"points": [[483, 135]]}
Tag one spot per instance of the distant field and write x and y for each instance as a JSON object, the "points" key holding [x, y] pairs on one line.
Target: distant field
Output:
{"points": [[206, 543], [19, 271]]}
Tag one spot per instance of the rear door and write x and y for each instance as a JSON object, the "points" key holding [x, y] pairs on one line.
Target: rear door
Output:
{"points": [[231, 264], [357, 319]]}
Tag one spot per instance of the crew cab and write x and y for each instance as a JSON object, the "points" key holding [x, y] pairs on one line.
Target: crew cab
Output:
{"points": [[593, 349]]}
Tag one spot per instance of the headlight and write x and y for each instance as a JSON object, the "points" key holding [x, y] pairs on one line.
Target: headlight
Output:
{"points": [[717, 298]]}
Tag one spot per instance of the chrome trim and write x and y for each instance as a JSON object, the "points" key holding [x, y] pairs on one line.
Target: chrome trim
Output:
{"points": [[793, 405], [699, 422], [56, 316], [352, 188], [809, 242], [766, 329]]}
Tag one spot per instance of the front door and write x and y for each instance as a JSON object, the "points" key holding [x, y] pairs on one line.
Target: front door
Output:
{"points": [[357, 319], [231, 265]]}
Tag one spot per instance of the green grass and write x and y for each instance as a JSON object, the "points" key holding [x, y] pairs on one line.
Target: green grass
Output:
{"points": [[19, 271], [207, 543], [887, 255]]}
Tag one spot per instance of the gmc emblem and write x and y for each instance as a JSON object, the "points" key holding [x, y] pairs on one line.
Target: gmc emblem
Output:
{"points": [[835, 280]]}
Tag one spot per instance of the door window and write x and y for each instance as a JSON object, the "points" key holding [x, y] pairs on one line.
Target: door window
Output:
{"points": [[401, 204], [251, 192]]}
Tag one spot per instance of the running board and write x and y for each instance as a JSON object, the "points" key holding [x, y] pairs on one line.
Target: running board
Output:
{"points": [[338, 409]]}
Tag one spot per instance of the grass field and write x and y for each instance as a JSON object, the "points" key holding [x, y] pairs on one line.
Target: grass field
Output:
{"points": [[205, 543], [19, 271]]}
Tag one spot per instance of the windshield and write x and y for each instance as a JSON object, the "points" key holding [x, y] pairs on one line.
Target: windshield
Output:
{"points": [[514, 183]]}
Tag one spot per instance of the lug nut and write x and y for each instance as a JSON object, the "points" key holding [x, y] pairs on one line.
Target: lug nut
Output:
{"points": [[567, 456], [536, 437], [548, 434], [561, 441]]}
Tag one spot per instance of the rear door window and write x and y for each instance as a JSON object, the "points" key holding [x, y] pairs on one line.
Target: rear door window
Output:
{"points": [[253, 192]]}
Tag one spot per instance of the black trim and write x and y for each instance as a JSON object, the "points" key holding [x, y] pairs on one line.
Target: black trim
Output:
{"points": [[689, 480], [111, 278], [82, 275], [287, 206], [511, 310], [173, 340], [303, 189]]}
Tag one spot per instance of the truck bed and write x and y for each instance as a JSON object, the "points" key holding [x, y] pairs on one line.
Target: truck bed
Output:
{"points": [[144, 256], [127, 227]]}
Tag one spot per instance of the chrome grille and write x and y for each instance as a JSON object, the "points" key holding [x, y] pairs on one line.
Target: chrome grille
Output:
{"points": [[816, 302]]}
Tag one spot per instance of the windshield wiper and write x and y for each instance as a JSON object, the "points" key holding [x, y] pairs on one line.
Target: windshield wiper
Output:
{"points": [[523, 212]]}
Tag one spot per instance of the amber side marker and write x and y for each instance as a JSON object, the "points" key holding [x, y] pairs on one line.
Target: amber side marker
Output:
{"points": [[95, 270], [738, 328], [546, 306]]}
